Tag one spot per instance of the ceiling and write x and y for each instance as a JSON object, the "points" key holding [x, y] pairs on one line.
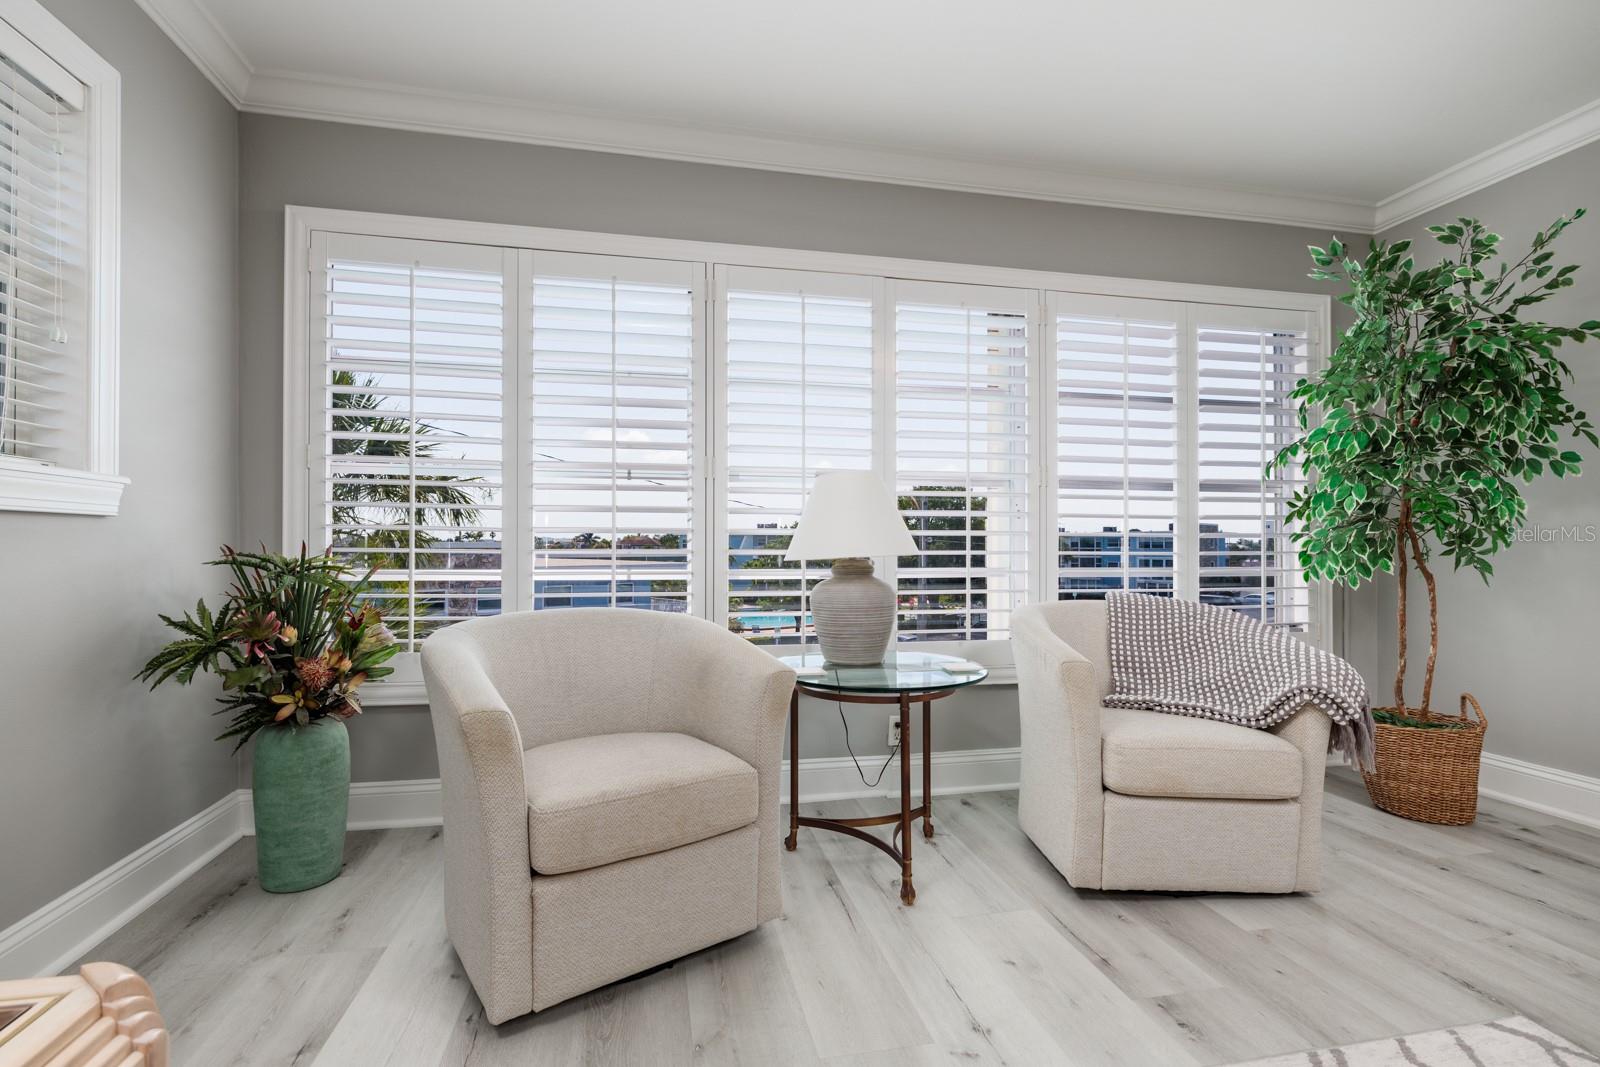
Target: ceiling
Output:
{"points": [[1358, 114]]}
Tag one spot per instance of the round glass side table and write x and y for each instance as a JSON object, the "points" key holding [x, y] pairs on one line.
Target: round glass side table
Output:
{"points": [[903, 678]]}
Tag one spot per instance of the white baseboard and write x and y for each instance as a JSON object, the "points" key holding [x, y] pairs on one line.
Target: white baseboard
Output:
{"points": [[57, 934], [979, 770], [415, 802], [50, 939], [374, 805], [60, 932], [1550, 790], [1545, 789]]}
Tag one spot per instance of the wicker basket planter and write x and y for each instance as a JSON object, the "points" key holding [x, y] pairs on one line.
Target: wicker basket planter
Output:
{"points": [[1429, 773]]}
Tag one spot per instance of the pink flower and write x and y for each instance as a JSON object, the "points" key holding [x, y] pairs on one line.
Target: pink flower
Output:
{"points": [[258, 634]]}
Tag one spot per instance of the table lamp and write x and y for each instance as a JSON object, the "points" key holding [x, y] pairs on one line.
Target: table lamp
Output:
{"points": [[849, 516]]}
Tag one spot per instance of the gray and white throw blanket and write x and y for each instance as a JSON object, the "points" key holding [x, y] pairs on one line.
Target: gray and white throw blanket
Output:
{"points": [[1199, 659]]}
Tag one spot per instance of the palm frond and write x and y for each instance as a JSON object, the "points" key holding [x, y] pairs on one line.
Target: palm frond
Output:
{"points": [[203, 645]]}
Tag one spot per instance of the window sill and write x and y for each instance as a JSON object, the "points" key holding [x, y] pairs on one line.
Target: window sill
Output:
{"points": [[394, 694], [984, 652], [1006, 675], [37, 487], [398, 692]]}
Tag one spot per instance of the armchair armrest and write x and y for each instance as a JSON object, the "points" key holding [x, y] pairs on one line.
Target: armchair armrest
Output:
{"points": [[488, 905], [736, 696], [1061, 805], [744, 699], [1307, 730]]}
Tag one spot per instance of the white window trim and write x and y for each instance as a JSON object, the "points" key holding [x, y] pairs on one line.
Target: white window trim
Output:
{"points": [[405, 686], [26, 485]]}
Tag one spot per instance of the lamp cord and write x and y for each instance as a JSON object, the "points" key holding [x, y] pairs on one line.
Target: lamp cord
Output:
{"points": [[853, 757]]}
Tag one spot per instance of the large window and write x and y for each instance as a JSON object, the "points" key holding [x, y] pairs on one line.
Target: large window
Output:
{"points": [[1167, 414], [497, 427], [1246, 362], [611, 461], [58, 254], [410, 397], [797, 382], [1116, 445], [961, 457]]}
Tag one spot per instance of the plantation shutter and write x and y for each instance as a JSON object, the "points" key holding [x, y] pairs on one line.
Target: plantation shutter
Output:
{"points": [[411, 398], [797, 392], [1118, 483], [44, 281], [1248, 360], [961, 455], [614, 454]]}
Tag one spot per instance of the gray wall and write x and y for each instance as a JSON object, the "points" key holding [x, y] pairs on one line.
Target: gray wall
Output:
{"points": [[1518, 644], [294, 161], [91, 766]]}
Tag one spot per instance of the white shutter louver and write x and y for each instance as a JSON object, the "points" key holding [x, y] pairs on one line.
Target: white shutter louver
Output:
{"points": [[412, 389], [1117, 437], [613, 457], [44, 273], [1247, 363], [961, 458], [798, 397], [505, 428]]}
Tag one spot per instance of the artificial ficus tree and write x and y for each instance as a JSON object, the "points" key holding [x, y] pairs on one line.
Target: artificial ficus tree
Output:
{"points": [[1437, 405]]}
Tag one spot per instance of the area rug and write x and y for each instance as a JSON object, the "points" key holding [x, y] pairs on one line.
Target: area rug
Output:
{"points": [[1511, 1042]]}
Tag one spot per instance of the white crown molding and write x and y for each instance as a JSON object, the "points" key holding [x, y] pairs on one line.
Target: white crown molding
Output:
{"points": [[208, 47], [1573, 130], [400, 107], [297, 95]]}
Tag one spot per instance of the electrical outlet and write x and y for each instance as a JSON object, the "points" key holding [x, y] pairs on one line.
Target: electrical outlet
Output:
{"points": [[894, 733]]}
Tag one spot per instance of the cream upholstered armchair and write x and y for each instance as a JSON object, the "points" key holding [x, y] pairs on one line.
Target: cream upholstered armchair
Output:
{"points": [[1123, 799], [610, 784]]}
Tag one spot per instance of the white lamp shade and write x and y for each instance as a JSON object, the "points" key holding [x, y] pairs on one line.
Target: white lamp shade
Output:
{"points": [[850, 513]]}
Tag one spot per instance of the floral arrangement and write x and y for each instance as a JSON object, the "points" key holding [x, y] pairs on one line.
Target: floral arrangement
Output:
{"points": [[291, 642]]}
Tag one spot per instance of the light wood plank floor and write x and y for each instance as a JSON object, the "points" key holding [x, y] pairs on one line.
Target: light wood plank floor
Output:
{"points": [[1000, 961]]}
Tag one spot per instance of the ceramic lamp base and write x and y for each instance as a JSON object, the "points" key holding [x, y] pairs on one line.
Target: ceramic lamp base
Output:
{"points": [[854, 614]]}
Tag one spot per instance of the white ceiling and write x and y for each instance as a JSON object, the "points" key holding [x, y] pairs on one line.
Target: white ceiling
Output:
{"points": [[1330, 111]]}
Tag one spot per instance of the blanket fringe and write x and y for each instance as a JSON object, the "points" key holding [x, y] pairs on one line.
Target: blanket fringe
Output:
{"points": [[1354, 742]]}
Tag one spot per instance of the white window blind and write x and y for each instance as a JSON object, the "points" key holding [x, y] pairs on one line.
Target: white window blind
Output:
{"points": [[507, 428], [44, 263], [614, 454], [961, 455], [1117, 436], [797, 393], [412, 446], [1247, 362]]}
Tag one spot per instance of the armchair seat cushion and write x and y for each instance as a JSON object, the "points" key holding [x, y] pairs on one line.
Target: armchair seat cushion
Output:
{"points": [[1155, 754], [610, 797]]}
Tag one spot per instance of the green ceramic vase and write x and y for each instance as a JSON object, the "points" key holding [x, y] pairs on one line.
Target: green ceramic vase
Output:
{"points": [[300, 789]]}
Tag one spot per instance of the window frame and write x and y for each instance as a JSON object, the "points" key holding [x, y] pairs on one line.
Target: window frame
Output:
{"points": [[993, 653], [298, 447], [96, 488]]}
